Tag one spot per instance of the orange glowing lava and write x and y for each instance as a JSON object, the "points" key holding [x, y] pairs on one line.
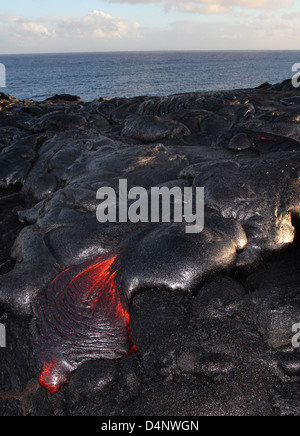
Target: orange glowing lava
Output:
{"points": [[96, 294], [264, 138], [46, 378], [103, 287]]}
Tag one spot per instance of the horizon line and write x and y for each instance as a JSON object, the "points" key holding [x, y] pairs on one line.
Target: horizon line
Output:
{"points": [[150, 51]]}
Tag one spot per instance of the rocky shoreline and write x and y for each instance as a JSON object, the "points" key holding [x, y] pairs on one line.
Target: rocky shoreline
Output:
{"points": [[211, 315]]}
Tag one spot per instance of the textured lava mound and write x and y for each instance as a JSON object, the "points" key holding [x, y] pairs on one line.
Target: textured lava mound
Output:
{"points": [[82, 316], [211, 314]]}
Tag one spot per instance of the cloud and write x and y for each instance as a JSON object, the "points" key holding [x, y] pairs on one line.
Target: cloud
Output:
{"points": [[292, 16], [212, 6], [21, 26], [95, 24], [98, 31], [50, 33], [234, 35]]}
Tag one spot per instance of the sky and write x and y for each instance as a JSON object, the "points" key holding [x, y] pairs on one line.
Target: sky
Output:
{"points": [[38, 26]]}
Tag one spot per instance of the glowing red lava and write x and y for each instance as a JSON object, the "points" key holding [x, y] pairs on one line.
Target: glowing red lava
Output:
{"points": [[264, 138], [46, 378], [85, 308]]}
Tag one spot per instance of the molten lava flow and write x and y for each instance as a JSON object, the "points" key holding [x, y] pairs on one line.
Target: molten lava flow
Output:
{"points": [[83, 315], [103, 287], [46, 378], [263, 138]]}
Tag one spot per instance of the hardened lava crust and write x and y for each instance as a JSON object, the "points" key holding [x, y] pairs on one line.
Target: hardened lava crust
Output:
{"points": [[130, 319], [82, 316]]}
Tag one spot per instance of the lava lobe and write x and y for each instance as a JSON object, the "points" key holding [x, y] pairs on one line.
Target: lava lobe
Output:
{"points": [[82, 316]]}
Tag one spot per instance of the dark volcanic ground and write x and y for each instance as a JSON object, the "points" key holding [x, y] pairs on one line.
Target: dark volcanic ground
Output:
{"points": [[211, 314]]}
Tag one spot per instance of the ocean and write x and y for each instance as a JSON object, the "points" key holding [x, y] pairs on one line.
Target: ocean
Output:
{"points": [[129, 74]]}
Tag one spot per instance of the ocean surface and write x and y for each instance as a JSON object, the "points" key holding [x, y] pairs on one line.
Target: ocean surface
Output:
{"points": [[95, 75]]}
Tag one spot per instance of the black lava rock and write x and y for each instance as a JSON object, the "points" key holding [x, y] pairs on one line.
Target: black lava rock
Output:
{"points": [[212, 315]]}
